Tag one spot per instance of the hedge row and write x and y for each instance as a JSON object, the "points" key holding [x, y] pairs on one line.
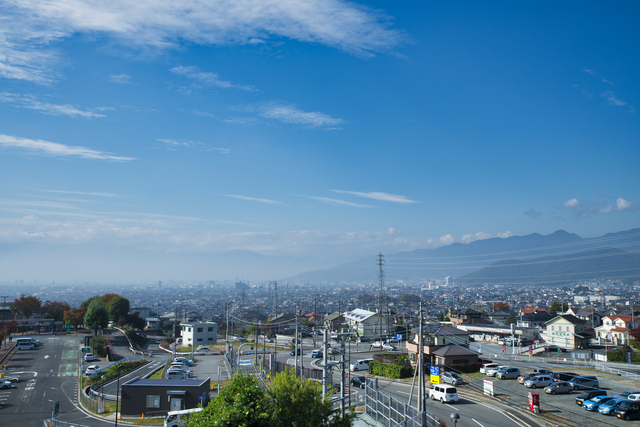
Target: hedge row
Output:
{"points": [[390, 370], [620, 355]]}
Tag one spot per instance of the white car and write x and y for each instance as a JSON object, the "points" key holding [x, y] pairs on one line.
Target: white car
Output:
{"points": [[377, 344], [183, 360], [538, 381], [483, 368], [26, 346], [389, 347], [92, 370], [89, 357], [360, 365], [5, 384], [491, 372], [202, 348], [443, 393]]}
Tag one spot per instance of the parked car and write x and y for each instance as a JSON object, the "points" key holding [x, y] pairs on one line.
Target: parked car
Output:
{"points": [[610, 407], [202, 348], [483, 368], [538, 381], [625, 394], [522, 378], [542, 371], [508, 373], [492, 372], [89, 357], [584, 383], [361, 381], [589, 394], [563, 376], [558, 387], [389, 347], [26, 346], [158, 340], [593, 403], [443, 393], [634, 396], [316, 354], [183, 360], [451, 378], [553, 348], [92, 370], [360, 365], [628, 410], [5, 383]]}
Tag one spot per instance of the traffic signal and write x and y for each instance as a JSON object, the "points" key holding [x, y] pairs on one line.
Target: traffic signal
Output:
{"points": [[56, 407]]}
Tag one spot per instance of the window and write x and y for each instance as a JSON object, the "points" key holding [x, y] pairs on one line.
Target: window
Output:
{"points": [[153, 401], [210, 329], [189, 329], [199, 339], [199, 329], [210, 338]]}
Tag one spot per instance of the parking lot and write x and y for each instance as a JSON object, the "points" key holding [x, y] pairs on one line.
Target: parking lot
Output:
{"points": [[562, 405]]}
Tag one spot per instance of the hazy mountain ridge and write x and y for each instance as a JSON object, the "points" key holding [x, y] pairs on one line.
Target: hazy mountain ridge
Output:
{"points": [[460, 259]]}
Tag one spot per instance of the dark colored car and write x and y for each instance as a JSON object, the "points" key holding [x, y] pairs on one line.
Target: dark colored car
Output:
{"points": [[584, 383], [628, 411], [564, 376], [293, 352], [553, 348], [586, 395], [360, 381]]}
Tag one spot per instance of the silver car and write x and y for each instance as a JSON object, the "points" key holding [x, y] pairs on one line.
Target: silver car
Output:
{"points": [[451, 378], [558, 387], [508, 373], [584, 383], [538, 381]]}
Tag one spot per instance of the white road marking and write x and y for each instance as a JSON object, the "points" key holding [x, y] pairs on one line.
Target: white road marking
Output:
{"points": [[46, 356], [452, 407], [476, 422]]}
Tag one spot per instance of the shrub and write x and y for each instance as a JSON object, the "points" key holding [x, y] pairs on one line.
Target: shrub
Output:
{"points": [[390, 370], [620, 355]]}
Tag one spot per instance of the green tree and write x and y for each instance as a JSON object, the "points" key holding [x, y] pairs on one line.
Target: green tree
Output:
{"points": [[26, 306], [558, 307], [75, 316], [85, 303], [97, 315], [135, 321], [119, 307], [54, 310], [301, 405], [243, 403]]}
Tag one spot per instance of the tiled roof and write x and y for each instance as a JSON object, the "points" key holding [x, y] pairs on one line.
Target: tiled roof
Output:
{"points": [[453, 350]]}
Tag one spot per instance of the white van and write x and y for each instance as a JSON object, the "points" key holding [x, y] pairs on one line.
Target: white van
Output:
{"points": [[178, 418], [443, 393], [28, 340], [24, 345], [360, 365]]}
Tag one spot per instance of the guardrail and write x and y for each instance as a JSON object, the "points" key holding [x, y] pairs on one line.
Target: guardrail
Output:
{"points": [[391, 412]]}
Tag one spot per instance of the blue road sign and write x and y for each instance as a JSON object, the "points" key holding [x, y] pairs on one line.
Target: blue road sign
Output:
{"points": [[399, 337], [435, 370]]}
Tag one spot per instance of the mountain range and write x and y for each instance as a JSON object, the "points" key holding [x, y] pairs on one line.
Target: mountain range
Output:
{"points": [[534, 258]]}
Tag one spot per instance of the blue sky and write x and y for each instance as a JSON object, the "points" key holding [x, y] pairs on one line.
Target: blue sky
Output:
{"points": [[315, 128]]}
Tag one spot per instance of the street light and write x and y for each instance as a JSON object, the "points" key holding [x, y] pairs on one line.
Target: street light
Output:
{"points": [[117, 392], [455, 418]]}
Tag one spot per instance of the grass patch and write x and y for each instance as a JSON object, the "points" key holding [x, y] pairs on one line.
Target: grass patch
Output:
{"points": [[156, 375], [112, 372]]}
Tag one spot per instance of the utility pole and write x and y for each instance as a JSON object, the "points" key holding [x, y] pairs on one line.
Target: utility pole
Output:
{"points": [[295, 340], [275, 299], [325, 348], [421, 385], [315, 320], [380, 289], [342, 375], [257, 327]]}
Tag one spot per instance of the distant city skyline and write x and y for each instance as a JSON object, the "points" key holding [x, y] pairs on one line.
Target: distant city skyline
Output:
{"points": [[312, 130]]}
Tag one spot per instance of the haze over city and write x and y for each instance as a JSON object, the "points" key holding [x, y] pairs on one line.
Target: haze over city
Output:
{"points": [[142, 141]]}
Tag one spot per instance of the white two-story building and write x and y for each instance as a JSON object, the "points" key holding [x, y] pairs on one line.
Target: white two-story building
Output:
{"points": [[615, 329], [199, 333]]}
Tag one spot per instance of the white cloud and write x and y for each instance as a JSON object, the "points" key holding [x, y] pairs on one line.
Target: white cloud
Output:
{"points": [[505, 235], [84, 193], [573, 203], [207, 78], [393, 231], [589, 71], [172, 145], [447, 239], [120, 78], [468, 238], [39, 146], [291, 114], [29, 101], [612, 100], [29, 27], [330, 201], [379, 196], [624, 205], [254, 199], [606, 210]]}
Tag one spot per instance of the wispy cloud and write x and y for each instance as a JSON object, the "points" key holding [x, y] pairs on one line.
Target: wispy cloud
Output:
{"points": [[291, 114], [395, 198], [120, 78], [625, 205], [84, 193], [481, 235], [39, 146], [172, 144], [330, 201], [533, 213], [612, 99], [207, 79], [30, 27], [254, 199], [571, 204], [30, 102], [589, 71]]}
